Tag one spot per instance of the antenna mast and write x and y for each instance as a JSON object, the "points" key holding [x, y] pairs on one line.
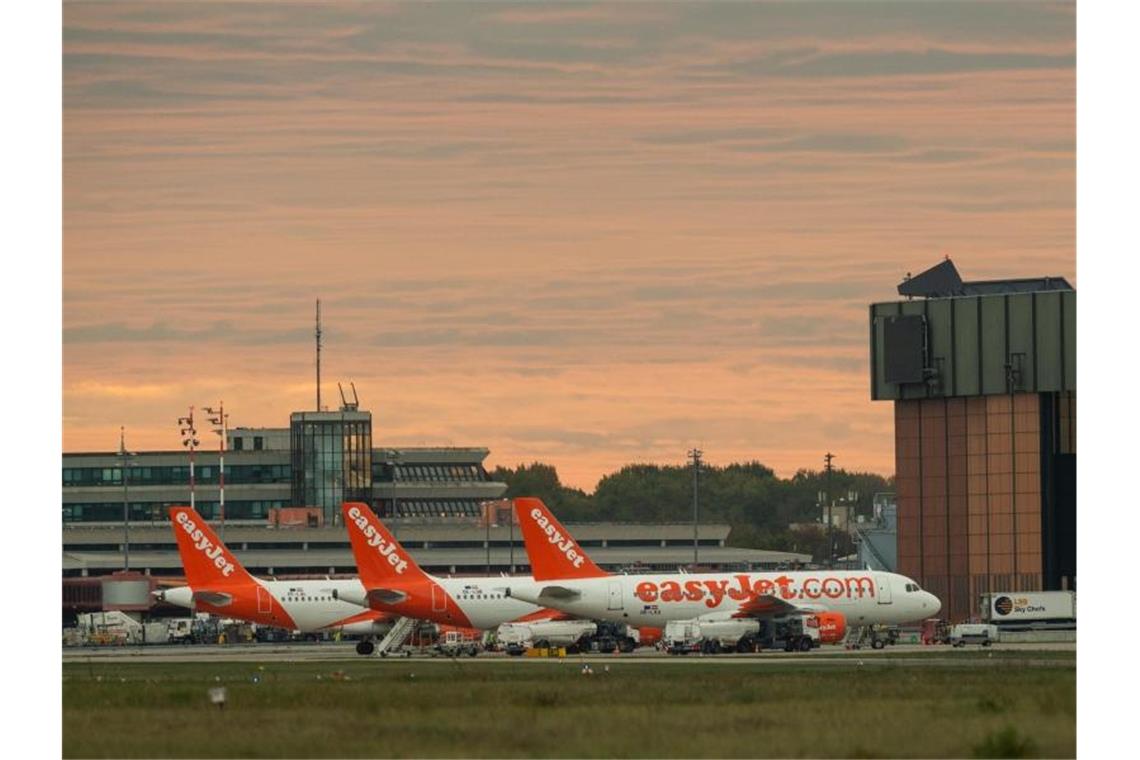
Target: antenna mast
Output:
{"points": [[318, 335]]}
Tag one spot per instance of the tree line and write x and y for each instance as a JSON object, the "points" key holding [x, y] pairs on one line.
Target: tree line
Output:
{"points": [[760, 507]]}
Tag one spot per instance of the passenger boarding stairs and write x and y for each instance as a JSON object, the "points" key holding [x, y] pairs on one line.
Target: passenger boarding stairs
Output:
{"points": [[868, 542], [396, 636]]}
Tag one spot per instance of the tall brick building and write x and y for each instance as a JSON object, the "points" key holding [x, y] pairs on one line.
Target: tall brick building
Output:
{"points": [[983, 380]]}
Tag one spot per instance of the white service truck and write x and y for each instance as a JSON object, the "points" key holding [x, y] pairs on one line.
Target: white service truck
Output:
{"points": [[740, 634], [974, 633], [1029, 607], [516, 638]]}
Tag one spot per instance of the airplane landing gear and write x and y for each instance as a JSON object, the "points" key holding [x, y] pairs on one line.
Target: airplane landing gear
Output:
{"points": [[365, 647]]}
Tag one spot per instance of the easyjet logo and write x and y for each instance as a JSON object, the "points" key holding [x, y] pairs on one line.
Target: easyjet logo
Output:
{"points": [[741, 588], [565, 544], [203, 544], [384, 548]]}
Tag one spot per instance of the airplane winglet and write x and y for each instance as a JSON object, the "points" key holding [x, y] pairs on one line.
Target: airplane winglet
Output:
{"points": [[553, 552]]}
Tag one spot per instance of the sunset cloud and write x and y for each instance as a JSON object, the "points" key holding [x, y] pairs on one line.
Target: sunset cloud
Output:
{"points": [[587, 233]]}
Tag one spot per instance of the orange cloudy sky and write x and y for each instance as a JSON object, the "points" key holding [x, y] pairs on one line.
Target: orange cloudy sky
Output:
{"points": [[585, 234]]}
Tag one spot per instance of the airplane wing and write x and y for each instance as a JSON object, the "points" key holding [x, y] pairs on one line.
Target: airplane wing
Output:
{"points": [[213, 598], [768, 605]]}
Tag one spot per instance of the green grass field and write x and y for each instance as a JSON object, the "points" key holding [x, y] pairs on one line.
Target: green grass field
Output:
{"points": [[393, 708]]}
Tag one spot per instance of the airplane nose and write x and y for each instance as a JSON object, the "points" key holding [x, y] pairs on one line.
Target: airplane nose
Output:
{"points": [[934, 603]]}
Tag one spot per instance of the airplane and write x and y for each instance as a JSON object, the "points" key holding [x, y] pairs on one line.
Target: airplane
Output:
{"points": [[566, 579], [392, 582], [218, 584]]}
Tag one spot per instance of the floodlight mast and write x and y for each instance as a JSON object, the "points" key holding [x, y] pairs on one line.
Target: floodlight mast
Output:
{"points": [[695, 456], [830, 519], [190, 441], [124, 454], [219, 419]]}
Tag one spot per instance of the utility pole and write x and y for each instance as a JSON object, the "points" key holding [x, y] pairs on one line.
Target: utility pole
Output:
{"points": [[487, 510], [318, 337], [830, 521], [126, 508], [695, 455]]}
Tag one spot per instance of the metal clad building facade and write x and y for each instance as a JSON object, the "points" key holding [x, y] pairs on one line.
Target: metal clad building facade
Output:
{"points": [[984, 386]]}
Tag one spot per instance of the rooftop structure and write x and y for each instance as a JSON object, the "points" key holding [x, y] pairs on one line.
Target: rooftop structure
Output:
{"points": [[983, 378]]}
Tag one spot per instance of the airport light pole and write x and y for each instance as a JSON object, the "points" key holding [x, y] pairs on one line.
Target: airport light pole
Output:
{"points": [[219, 419], [124, 454], [190, 441], [695, 455], [393, 460], [830, 522]]}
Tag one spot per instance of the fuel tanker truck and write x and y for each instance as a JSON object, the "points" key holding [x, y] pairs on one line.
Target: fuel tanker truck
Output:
{"points": [[790, 633]]}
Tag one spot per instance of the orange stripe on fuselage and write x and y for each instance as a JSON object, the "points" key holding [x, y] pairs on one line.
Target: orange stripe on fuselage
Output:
{"points": [[245, 606], [362, 617], [426, 600]]}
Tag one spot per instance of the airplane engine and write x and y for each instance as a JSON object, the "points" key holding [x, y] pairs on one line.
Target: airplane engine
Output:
{"points": [[648, 637], [832, 627], [366, 628]]}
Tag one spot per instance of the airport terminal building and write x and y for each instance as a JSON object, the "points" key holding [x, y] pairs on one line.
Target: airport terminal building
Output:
{"points": [[439, 501], [983, 380], [321, 460]]}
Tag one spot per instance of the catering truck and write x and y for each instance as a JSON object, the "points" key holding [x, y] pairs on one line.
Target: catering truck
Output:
{"points": [[1029, 608]]}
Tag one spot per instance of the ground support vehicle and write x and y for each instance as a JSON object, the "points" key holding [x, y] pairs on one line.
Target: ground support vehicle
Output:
{"points": [[792, 633], [795, 634], [935, 631], [516, 638], [1009, 608], [455, 644], [609, 636], [974, 633], [875, 636]]}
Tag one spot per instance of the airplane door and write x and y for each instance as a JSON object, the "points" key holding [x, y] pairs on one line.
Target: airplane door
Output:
{"points": [[883, 588], [264, 600], [438, 599], [615, 595]]}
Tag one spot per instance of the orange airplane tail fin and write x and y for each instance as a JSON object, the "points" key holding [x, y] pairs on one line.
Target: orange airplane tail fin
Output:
{"points": [[553, 553], [206, 560], [380, 559]]}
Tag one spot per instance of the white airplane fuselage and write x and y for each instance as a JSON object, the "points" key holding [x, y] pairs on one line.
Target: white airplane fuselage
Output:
{"points": [[484, 600], [302, 605], [864, 597]]}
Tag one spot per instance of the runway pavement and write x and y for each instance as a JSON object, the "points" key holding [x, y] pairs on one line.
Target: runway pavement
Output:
{"points": [[910, 654]]}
